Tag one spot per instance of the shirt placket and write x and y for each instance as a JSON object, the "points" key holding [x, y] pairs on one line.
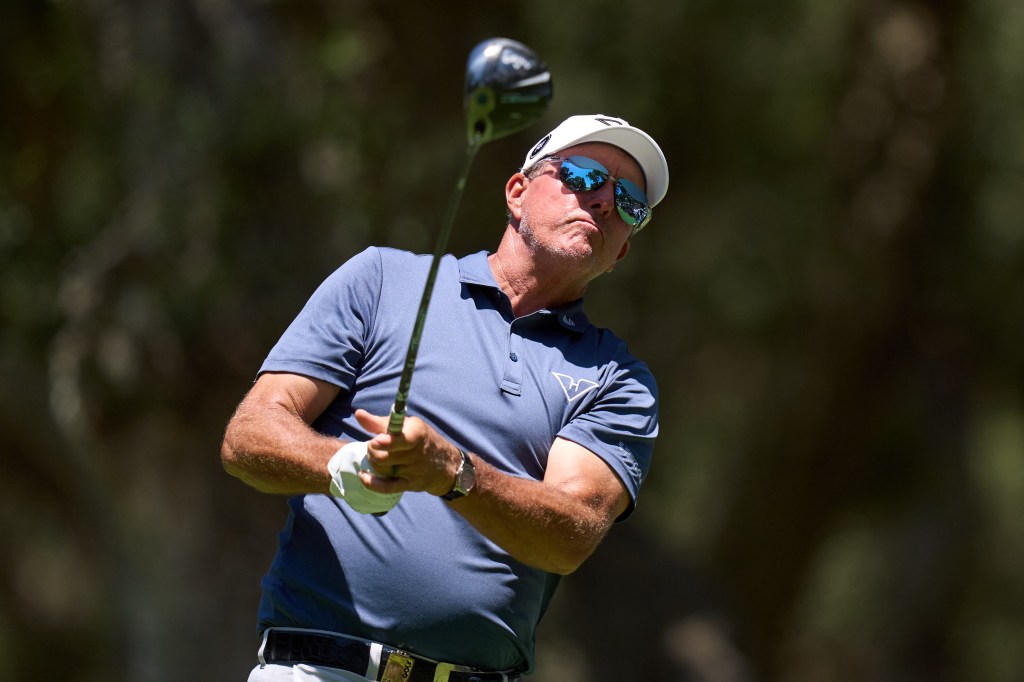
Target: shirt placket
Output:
{"points": [[512, 380]]}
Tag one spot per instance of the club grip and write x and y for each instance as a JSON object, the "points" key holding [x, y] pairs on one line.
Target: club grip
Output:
{"points": [[396, 421]]}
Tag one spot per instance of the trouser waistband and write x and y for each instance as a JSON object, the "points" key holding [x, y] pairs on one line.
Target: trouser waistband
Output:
{"points": [[375, 661]]}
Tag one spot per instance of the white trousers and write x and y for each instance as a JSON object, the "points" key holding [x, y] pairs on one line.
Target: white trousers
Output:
{"points": [[302, 672]]}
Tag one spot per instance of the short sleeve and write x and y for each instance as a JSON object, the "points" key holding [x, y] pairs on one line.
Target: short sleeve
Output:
{"points": [[620, 426], [327, 339]]}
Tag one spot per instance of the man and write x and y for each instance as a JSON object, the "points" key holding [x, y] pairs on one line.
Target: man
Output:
{"points": [[532, 433]]}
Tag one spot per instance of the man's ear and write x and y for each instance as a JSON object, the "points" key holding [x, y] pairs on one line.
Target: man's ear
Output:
{"points": [[514, 189]]}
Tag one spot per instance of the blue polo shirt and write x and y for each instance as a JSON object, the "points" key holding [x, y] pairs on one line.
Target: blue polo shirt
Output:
{"points": [[421, 578]]}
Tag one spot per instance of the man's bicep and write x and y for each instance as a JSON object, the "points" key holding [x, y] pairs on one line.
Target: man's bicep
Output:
{"points": [[580, 472], [303, 396]]}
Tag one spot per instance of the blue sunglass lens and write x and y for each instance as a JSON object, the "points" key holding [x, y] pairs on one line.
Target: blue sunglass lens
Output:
{"points": [[632, 203], [581, 174]]}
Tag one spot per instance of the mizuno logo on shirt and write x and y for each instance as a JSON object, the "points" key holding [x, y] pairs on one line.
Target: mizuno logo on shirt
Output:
{"points": [[574, 388]]}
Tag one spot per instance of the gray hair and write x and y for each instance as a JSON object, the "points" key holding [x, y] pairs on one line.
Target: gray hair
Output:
{"points": [[531, 172], [535, 168]]}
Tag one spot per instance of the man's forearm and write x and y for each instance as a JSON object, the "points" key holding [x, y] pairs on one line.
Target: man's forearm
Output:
{"points": [[274, 451], [537, 523], [552, 524]]}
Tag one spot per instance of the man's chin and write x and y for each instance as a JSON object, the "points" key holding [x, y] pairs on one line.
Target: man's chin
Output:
{"points": [[578, 249], [575, 246]]}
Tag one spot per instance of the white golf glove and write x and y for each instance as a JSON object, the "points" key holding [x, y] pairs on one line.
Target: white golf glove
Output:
{"points": [[345, 467]]}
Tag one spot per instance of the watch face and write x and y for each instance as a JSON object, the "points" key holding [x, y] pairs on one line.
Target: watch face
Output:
{"points": [[467, 477], [464, 480]]}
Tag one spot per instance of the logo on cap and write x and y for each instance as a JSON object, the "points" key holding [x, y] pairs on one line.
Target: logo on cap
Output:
{"points": [[540, 145]]}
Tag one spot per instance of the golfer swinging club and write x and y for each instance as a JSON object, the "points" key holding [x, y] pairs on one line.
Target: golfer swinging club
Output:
{"points": [[432, 554]]}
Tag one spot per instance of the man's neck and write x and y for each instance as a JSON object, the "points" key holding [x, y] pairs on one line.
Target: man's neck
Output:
{"points": [[531, 280]]}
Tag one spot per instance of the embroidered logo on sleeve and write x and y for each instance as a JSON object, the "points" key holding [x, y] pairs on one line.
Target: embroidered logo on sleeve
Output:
{"points": [[630, 461], [574, 388]]}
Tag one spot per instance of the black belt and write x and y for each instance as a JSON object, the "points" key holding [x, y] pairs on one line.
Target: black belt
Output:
{"points": [[346, 653]]}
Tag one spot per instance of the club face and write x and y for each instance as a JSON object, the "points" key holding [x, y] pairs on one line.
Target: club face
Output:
{"points": [[508, 87]]}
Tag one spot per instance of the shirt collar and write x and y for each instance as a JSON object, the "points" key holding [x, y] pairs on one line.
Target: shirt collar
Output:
{"points": [[475, 269]]}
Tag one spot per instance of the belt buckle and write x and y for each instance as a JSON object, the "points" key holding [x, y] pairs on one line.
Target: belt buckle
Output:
{"points": [[442, 671], [398, 668]]}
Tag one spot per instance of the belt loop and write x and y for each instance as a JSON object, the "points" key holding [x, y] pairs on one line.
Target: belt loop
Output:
{"points": [[263, 646], [373, 666]]}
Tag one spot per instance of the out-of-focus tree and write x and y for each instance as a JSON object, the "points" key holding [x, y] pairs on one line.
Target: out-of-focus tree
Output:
{"points": [[831, 298]]}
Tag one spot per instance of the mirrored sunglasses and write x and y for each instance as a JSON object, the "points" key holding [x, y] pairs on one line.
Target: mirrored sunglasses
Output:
{"points": [[582, 174]]}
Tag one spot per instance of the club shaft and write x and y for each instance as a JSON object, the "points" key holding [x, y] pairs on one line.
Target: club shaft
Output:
{"points": [[401, 398]]}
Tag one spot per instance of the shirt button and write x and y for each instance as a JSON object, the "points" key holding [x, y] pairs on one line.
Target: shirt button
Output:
{"points": [[513, 357]]}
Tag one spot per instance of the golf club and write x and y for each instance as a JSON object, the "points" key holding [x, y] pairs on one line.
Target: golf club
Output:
{"points": [[507, 88]]}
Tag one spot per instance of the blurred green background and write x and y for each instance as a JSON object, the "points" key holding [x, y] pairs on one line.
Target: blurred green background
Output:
{"points": [[831, 296]]}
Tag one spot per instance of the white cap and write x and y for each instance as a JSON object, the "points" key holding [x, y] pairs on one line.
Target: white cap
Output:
{"points": [[615, 131]]}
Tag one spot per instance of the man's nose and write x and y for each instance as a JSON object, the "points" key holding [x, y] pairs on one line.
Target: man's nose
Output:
{"points": [[602, 199]]}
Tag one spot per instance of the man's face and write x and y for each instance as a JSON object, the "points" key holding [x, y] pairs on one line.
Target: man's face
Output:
{"points": [[583, 228]]}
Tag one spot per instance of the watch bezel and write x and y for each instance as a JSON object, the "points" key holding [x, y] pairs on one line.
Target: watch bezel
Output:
{"points": [[465, 479]]}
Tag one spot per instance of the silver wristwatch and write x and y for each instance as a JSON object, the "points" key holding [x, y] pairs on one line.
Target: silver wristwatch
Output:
{"points": [[465, 479]]}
